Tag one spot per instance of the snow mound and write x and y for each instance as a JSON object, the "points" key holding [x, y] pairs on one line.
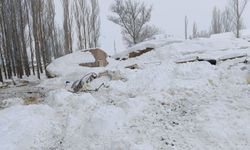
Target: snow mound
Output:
{"points": [[227, 35], [89, 125], [245, 34], [69, 63], [29, 127], [147, 44]]}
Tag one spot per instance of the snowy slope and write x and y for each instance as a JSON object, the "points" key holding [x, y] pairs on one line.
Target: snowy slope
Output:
{"points": [[162, 105], [70, 63]]}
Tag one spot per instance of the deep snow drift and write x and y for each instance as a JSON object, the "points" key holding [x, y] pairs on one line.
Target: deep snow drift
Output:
{"points": [[161, 105]]}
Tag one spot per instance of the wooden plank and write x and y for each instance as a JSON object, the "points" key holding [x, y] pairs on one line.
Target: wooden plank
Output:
{"points": [[188, 59], [230, 57]]}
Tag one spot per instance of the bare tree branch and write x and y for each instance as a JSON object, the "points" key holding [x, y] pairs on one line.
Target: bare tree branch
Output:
{"points": [[133, 16]]}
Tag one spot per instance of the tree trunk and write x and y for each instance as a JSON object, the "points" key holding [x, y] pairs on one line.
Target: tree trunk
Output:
{"points": [[24, 52], [1, 77]]}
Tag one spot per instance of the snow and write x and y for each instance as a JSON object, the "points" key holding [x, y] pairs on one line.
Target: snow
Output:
{"points": [[10, 102], [226, 35], [154, 43], [70, 63], [29, 127], [162, 105]]}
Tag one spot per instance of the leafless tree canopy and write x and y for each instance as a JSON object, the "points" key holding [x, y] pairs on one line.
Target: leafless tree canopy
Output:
{"points": [[195, 30], [226, 20], [230, 20], [29, 38], [87, 23], [133, 16], [216, 24], [67, 26], [237, 8]]}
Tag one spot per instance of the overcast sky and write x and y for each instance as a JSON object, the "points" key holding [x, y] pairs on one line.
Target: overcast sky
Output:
{"points": [[168, 15]]}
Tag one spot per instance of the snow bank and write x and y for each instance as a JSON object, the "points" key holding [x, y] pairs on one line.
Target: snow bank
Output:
{"points": [[227, 35], [245, 34], [69, 63], [89, 125], [29, 127], [147, 44]]}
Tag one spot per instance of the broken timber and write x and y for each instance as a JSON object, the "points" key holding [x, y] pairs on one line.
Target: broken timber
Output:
{"points": [[187, 60], [212, 61], [233, 57], [134, 53], [194, 59]]}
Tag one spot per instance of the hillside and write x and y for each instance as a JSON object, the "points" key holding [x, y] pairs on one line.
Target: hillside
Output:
{"points": [[173, 98]]}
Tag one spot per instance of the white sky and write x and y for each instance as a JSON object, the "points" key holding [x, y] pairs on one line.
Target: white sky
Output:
{"points": [[168, 15]]}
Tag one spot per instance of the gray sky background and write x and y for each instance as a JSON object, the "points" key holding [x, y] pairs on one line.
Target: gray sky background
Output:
{"points": [[168, 15]]}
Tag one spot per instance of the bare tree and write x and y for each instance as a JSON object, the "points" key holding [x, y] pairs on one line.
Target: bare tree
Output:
{"points": [[133, 16], [186, 27], [30, 37], [195, 30], [237, 8], [78, 19], [226, 20], [19, 46], [2, 63], [35, 21], [51, 29], [1, 58], [87, 23], [67, 26], [216, 24], [6, 37], [203, 34], [95, 23], [1, 77], [59, 40]]}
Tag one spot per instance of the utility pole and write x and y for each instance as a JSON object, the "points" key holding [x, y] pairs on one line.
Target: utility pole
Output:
{"points": [[186, 27]]}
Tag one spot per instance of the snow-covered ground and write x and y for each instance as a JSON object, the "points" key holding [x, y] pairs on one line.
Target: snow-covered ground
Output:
{"points": [[162, 105]]}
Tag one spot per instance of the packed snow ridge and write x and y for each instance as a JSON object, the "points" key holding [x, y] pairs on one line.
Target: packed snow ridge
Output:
{"points": [[162, 104]]}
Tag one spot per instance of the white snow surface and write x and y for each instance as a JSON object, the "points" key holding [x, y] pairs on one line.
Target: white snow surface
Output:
{"points": [[70, 63], [162, 105]]}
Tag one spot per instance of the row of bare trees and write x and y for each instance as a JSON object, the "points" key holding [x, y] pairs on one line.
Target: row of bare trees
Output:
{"points": [[85, 15], [24, 43], [87, 23], [30, 38], [228, 20]]}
